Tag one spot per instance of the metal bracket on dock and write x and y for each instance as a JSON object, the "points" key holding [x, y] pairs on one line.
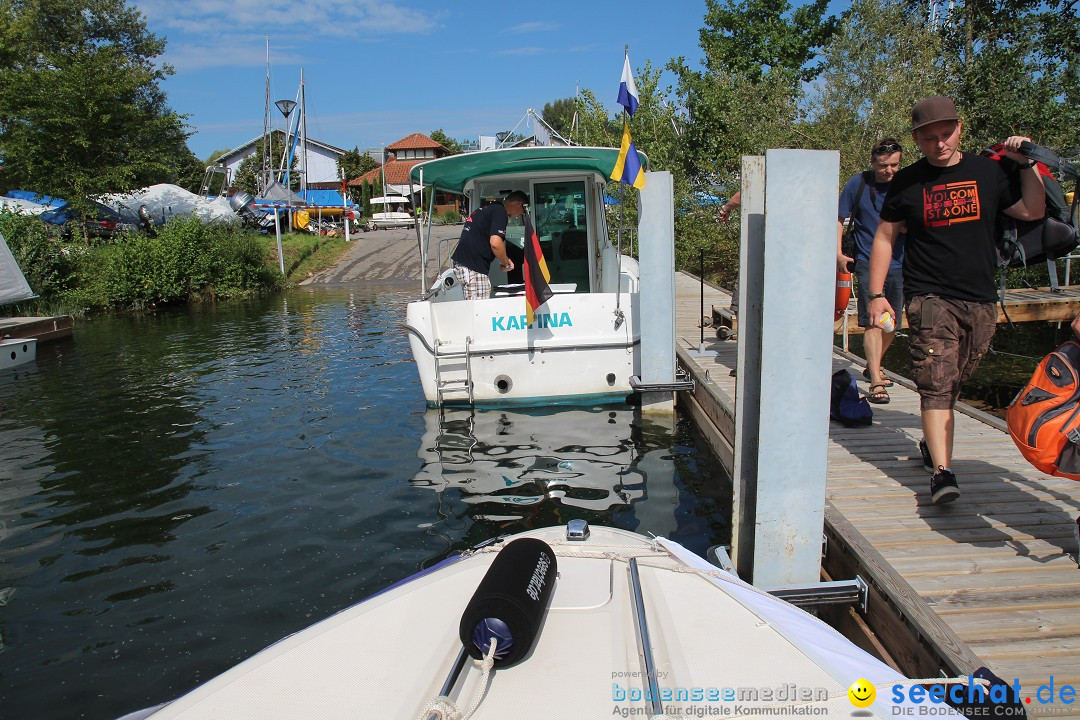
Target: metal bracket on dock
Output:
{"points": [[682, 382], [836, 592], [719, 555]]}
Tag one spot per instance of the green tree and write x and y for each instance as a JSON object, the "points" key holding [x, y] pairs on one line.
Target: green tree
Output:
{"points": [[81, 110], [355, 163], [757, 37], [759, 54], [447, 142], [748, 96], [595, 126], [560, 115], [215, 156], [247, 174], [881, 61], [1011, 66]]}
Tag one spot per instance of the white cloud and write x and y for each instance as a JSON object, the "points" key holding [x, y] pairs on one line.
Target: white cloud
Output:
{"points": [[531, 27], [228, 51], [209, 18]]}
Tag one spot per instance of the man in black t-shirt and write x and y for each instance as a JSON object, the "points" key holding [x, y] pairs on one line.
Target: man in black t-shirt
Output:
{"points": [[483, 239], [948, 201]]}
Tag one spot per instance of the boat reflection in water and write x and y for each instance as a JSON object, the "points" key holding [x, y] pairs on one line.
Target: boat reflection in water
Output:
{"points": [[544, 466]]}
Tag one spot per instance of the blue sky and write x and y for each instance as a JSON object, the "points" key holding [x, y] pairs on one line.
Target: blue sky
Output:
{"points": [[377, 70]]}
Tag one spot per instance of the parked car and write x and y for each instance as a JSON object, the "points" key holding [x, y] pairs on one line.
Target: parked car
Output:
{"points": [[102, 222]]}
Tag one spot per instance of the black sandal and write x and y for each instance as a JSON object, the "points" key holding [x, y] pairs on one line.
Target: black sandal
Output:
{"points": [[880, 396]]}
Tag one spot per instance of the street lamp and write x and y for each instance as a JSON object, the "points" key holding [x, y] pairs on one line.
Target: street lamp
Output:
{"points": [[286, 107]]}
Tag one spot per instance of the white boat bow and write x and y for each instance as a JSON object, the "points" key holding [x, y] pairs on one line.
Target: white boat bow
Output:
{"points": [[706, 644]]}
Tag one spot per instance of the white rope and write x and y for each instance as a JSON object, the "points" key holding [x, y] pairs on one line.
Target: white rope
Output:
{"points": [[440, 707], [443, 708]]}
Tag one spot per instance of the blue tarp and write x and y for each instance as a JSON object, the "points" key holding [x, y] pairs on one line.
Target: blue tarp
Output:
{"points": [[325, 198], [705, 199], [34, 197]]}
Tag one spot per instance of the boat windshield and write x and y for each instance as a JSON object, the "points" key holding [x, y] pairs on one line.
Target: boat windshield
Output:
{"points": [[561, 216]]}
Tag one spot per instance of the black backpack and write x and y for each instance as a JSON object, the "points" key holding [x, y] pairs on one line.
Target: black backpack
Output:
{"points": [[1025, 242]]}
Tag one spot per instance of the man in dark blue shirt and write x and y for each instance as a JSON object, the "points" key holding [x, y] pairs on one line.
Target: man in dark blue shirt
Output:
{"points": [[861, 201], [483, 239]]}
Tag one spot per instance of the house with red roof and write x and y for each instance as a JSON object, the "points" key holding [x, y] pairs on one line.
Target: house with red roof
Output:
{"points": [[401, 157]]}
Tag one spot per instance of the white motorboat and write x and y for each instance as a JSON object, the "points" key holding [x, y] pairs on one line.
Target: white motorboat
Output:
{"points": [[387, 218], [583, 345], [17, 351], [14, 351], [574, 623]]}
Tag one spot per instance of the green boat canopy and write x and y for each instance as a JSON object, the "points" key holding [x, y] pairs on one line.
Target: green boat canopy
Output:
{"points": [[451, 173]]}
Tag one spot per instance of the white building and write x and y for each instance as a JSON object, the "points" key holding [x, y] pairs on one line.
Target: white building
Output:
{"points": [[322, 160]]}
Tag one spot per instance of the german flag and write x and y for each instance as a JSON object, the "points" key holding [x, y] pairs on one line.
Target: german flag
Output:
{"points": [[535, 272]]}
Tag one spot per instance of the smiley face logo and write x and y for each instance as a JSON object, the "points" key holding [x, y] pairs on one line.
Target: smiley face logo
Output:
{"points": [[861, 693]]}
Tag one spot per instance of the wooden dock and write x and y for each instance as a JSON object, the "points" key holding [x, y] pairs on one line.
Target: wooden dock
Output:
{"points": [[991, 579], [44, 329]]}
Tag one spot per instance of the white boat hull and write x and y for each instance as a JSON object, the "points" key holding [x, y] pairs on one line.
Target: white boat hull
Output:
{"points": [[17, 351], [385, 220], [720, 646], [575, 351]]}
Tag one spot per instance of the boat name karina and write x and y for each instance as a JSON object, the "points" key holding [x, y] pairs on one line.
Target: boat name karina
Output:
{"points": [[520, 322], [536, 582]]}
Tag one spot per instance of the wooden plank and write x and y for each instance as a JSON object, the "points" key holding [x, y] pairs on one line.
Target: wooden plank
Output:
{"points": [[716, 439], [863, 511], [1021, 624], [885, 539], [919, 566], [1033, 551], [988, 583]]}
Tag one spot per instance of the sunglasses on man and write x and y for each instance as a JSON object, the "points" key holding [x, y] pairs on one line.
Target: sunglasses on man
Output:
{"points": [[887, 149]]}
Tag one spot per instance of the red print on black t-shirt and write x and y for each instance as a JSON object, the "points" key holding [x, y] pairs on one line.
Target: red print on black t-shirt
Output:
{"points": [[951, 203]]}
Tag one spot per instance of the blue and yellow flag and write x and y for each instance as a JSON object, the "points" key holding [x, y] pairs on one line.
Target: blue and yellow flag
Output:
{"points": [[628, 166]]}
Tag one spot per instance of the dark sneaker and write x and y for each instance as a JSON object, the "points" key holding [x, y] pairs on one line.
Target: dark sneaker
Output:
{"points": [[927, 459], [943, 487]]}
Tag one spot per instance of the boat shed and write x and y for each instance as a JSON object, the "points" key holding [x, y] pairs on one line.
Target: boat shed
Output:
{"points": [[322, 159]]}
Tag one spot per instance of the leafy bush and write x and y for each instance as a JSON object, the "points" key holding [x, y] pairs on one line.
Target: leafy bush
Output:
{"points": [[49, 267], [448, 217], [188, 260]]}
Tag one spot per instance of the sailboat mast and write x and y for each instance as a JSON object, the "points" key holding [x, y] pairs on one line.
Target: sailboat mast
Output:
{"points": [[265, 172], [303, 138]]}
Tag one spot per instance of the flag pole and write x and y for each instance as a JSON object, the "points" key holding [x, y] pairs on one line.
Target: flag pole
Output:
{"points": [[622, 202]]}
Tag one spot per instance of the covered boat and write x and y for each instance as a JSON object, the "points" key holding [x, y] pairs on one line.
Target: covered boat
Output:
{"points": [[14, 288], [583, 344], [599, 622]]}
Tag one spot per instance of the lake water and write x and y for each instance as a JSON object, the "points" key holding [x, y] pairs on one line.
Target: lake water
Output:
{"points": [[180, 489]]}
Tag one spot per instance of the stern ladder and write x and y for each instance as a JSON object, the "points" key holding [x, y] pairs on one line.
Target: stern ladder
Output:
{"points": [[453, 385]]}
